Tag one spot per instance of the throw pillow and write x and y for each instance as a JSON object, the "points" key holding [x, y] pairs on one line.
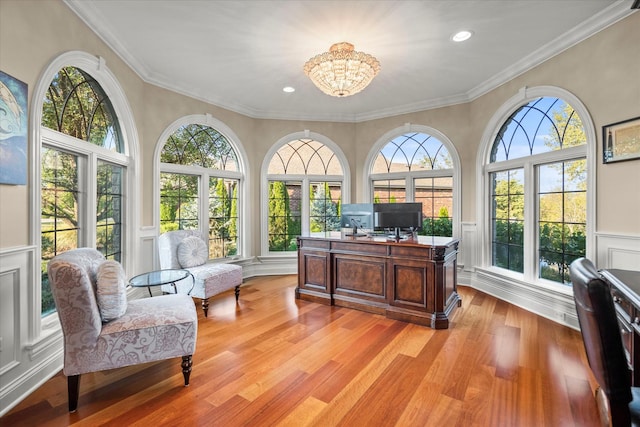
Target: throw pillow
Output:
{"points": [[192, 252], [111, 290]]}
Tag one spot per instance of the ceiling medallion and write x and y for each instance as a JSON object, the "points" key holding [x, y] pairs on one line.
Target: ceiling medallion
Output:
{"points": [[342, 71]]}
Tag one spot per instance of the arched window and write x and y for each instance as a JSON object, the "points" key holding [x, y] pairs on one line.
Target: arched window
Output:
{"points": [[417, 166], [305, 188], [537, 175], [199, 186], [83, 167]]}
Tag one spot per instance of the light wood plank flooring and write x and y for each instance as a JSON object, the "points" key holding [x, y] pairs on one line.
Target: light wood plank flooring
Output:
{"points": [[274, 360]]}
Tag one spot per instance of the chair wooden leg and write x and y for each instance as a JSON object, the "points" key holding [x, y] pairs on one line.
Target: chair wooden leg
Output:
{"points": [[237, 292], [205, 306], [73, 386], [187, 362]]}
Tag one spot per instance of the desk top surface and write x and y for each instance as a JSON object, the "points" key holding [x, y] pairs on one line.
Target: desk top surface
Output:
{"points": [[430, 241], [627, 281]]}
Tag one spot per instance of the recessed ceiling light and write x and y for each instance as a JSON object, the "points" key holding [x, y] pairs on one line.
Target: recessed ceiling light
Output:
{"points": [[461, 36], [288, 89]]}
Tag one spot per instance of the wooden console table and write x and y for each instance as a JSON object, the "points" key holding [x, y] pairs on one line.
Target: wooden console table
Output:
{"points": [[410, 280]]}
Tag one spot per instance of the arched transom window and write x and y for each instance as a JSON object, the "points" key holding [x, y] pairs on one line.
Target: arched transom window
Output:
{"points": [[417, 167], [82, 171], [538, 170], [76, 105], [199, 185], [305, 179]]}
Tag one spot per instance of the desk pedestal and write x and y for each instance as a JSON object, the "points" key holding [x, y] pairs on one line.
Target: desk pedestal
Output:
{"points": [[625, 289]]}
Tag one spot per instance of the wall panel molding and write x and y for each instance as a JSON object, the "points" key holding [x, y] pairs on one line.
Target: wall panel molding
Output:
{"points": [[617, 251], [29, 356], [467, 257]]}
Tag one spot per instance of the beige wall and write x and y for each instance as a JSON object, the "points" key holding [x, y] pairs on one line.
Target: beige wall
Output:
{"points": [[601, 71]]}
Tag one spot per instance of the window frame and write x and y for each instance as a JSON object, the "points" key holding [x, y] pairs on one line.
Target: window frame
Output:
{"points": [[411, 176], [243, 248], [40, 328], [88, 157], [305, 180], [529, 164]]}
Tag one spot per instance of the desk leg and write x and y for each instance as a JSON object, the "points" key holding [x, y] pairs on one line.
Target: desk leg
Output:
{"points": [[149, 289]]}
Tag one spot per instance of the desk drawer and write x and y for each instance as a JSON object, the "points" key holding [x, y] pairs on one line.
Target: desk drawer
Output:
{"points": [[627, 338], [622, 304]]}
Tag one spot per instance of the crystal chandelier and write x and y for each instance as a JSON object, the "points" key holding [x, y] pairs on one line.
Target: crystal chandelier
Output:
{"points": [[342, 71]]}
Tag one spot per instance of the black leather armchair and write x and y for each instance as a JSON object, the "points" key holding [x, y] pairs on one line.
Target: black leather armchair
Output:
{"points": [[603, 345]]}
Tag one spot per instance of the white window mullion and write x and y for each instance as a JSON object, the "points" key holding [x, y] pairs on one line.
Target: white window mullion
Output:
{"points": [[305, 207], [530, 224], [410, 188], [89, 176], [203, 196]]}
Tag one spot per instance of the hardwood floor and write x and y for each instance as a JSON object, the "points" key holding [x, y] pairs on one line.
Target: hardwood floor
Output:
{"points": [[274, 360]]}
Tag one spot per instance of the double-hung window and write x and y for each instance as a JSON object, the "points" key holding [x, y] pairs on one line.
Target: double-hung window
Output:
{"points": [[537, 174], [304, 193], [82, 172], [417, 167], [199, 187]]}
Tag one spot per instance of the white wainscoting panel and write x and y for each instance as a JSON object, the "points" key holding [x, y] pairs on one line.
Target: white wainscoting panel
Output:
{"points": [[25, 363], [147, 259], [617, 251], [10, 272], [468, 246]]}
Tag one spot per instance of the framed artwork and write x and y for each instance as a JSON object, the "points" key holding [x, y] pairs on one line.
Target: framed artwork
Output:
{"points": [[13, 130], [621, 141]]}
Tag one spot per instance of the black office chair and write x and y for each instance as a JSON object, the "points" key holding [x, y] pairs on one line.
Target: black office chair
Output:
{"points": [[603, 345]]}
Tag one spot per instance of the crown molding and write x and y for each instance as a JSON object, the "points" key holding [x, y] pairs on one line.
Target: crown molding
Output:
{"points": [[586, 29], [607, 17]]}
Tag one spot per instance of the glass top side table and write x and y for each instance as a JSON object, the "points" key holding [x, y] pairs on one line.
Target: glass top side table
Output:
{"points": [[161, 277]]}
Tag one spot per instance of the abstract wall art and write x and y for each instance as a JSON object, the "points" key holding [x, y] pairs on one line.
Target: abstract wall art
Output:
{"points": [[13, 130]]}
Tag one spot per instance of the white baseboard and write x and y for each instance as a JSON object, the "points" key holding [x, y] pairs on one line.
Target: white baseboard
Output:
{"points": [[554, 305]]}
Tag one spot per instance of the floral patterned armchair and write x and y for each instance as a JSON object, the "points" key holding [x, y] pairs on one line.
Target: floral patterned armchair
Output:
{"points": [[150, 329], [210, 279]]}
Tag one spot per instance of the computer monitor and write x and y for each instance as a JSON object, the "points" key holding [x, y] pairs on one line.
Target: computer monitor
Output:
{"points": [[358, 217], [397, 216]]}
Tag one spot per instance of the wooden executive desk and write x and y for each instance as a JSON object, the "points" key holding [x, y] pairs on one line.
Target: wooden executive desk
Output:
{"points": [[625, 289], [410, 280]]}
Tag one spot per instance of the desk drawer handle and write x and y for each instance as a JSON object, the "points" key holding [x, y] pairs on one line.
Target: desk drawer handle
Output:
{"points": [[636, 320], [617, 300]]}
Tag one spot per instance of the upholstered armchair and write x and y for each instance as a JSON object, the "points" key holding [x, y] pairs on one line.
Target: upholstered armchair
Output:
{"points": [[188, 249], [102, 330]]}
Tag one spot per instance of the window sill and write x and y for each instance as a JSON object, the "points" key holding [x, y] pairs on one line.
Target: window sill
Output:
{"points": [[519, 280]]}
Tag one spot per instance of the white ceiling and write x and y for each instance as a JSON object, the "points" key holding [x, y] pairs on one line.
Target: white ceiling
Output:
{"points": [[240, 54]]}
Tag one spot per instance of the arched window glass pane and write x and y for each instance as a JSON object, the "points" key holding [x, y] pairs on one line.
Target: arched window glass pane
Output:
{"points": [[544, 124], [223, 217], [200, 145], [61, 218], [304, 157], [109, 217], [76, 105], [412, 152]]}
